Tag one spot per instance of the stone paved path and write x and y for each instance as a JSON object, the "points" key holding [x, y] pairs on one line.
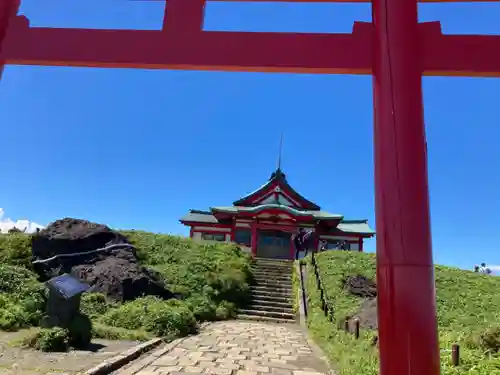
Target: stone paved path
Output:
{"points": [[235, 348]]}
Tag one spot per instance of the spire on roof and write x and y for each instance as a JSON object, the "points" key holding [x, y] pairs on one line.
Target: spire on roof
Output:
{"points": [[280, 153]]}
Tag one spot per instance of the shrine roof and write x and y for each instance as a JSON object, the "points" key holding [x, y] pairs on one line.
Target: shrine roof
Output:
{"points": [[355, 226], [346, 226], [315, 213], [277, 178], [200, 217]]}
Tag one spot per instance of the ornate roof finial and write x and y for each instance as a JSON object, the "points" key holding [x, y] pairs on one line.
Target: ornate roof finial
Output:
{"points": [[280, 152]]}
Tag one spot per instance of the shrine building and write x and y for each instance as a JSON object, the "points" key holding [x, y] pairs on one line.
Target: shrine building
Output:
{"points": [[264, 221]]}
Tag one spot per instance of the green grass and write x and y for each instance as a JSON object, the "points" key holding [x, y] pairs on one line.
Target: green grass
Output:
{"points": [[296, 286], [468, 308], [210, 278]]}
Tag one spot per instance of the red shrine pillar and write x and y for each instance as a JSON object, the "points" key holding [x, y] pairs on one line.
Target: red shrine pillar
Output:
{"points": [[254, 239], [408, 341]]}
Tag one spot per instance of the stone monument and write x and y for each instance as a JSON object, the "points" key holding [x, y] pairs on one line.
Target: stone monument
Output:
{"points": [[64, 298]]}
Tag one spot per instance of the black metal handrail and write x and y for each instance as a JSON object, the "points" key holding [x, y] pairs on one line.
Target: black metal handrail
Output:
{"points": [[326, 306]]}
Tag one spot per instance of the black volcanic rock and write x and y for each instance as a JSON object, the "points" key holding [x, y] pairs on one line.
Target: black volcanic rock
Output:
{"points": [[361, 286], [97, 255]]}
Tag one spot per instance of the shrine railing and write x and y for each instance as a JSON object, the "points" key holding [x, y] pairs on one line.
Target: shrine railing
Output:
{"points": [[326, 306]]}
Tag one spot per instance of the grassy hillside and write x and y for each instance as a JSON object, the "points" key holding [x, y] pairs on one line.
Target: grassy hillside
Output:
{"points": [[212, 279], [468, 306]]}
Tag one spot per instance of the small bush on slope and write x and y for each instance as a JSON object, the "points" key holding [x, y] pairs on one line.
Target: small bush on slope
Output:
{"points": [[95, 304], [209, 273], [170, 318], [15, 249], [22, 298], [468, 307]]}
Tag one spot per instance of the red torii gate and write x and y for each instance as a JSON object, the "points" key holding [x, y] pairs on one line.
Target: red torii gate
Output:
{"points": [[396, 49]]}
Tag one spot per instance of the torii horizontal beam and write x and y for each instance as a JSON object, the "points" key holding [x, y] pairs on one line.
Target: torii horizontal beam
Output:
{"points": [[186, 47]]}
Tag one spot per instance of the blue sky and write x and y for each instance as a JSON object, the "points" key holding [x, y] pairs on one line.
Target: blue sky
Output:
{"points": [[138, 149]]}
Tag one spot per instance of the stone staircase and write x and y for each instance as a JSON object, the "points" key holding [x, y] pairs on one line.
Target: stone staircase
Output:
{"points": [[272, 292]]}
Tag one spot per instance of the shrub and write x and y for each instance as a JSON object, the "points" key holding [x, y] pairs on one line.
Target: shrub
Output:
{"points": [[163, 318], [48, 339], [95, 304], [101, 331], [17, 280], [487, 340], [12, 314], [225, 310], [22, 297], [217, 271], [203, 307], [15, 249]]}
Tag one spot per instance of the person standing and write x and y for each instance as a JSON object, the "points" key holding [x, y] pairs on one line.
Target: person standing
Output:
{"points": [[298, 242]]}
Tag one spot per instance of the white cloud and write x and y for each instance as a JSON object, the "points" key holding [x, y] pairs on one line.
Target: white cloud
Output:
{"points": [[24, 225]]}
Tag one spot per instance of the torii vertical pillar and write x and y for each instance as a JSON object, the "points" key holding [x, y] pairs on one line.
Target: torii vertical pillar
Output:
{"points": [[8, 8], [408, 340]]}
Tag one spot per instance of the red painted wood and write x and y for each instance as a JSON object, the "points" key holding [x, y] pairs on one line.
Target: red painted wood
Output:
{"points": [[277, 211], [355, 1], [233, 229], [254, 240], [360, 244], [270, 189], [179, 47], [282, 228], [408, 340], [231, 51], [458, 55], [8, 9]]}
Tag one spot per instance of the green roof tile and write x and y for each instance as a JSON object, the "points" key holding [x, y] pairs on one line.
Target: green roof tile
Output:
{"points": [[347, 226], [317, 214], [355, 226], [200, 217]]}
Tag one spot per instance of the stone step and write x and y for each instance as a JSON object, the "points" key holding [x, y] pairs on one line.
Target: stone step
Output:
{"points": [[270, 314], [267, 273], [273, 264], [266, 289], [271, 276], [287, 289], [278, 309], [278, 283], [264, 319], [271, 271], [274, 261], [260, 300], [271, 298], [274, 283]]}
